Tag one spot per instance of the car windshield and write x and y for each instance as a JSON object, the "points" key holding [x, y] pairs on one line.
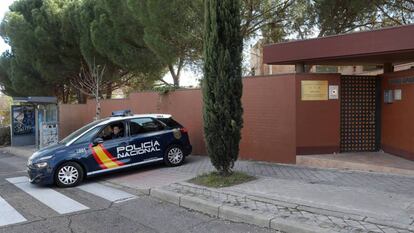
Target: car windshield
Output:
{"points": [[80, 131]]}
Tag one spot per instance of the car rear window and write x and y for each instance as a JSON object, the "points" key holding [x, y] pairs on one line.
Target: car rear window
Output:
{"points": [[144, 125], [170, 122]]}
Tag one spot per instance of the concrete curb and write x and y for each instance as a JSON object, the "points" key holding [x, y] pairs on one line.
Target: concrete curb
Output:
{"points": [[284, 225], [200, 205], [232, 213], [166, 195], [144, 191], [245, 216], [140, 191]]}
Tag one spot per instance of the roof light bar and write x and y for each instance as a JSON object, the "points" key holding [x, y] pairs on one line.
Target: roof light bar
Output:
{"points": [[126, 112]]}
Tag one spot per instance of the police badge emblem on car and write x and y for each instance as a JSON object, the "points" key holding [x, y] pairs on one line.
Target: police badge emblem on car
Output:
{"points": [[177, 134]]}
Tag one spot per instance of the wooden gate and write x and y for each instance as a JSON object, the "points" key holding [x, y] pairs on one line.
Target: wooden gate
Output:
{"points": [[360, 113]]}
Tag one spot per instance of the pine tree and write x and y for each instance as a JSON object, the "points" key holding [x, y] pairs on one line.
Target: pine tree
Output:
{"points": [[222, 84]]}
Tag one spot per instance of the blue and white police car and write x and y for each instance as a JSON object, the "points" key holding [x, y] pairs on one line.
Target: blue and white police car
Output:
{"points": [[120, 141]]}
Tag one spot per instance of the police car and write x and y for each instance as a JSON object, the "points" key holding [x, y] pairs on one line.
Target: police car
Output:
{"points": [[120, 141]]}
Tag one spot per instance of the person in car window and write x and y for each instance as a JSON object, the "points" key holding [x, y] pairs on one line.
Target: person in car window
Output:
{"points": [[116, 132]]}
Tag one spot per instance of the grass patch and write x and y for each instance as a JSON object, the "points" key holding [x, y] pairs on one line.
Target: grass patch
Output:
{"points": [[214, 180]]}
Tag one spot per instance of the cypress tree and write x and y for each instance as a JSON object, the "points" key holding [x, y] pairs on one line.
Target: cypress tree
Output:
{"points": [[222, 84]]}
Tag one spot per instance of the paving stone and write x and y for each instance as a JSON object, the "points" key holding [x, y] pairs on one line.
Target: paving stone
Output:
{"points": [[258, 212], [326, 179], [376, 181]]}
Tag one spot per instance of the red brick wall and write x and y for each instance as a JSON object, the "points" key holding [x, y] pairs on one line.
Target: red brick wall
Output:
{"points": [[269, 119], [397, 127], [73, 116], [269, 116], [317, 122]]}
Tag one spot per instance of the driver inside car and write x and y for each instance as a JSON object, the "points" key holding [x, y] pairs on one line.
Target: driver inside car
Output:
{"points": [[115, 132]]}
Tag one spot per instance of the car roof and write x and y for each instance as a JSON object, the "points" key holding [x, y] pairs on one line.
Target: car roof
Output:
{"points": [[118, 118]]}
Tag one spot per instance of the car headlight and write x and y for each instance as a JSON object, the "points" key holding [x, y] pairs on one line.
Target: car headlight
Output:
{"points": [[41, 164]]}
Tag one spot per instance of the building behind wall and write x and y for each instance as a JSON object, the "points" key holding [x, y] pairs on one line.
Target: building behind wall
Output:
{"points": [[301, 113], [258, 67], [374, 91]]}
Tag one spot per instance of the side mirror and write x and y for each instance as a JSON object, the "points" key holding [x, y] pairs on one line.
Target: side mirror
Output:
{"points": [[97, 141]]}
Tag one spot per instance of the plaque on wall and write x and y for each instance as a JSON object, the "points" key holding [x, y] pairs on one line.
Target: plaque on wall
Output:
{"points": [[314, 89]]}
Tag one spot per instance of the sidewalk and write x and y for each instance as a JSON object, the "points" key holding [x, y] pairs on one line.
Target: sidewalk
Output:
{"points": [[287, 198], [21, 151], [273, 212], [366, 161], [359, 201]]}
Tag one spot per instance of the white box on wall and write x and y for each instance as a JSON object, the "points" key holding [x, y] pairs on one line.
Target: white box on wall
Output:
{"points": [[397, 94]]}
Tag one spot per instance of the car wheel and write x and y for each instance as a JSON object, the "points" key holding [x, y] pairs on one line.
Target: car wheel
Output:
{"points": [[174, 156], [68, 174]]}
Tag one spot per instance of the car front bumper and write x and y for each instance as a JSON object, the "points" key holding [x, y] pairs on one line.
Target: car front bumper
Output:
{"points": [[42, 176]]}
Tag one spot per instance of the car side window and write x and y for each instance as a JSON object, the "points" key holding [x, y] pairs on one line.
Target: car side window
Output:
{"points": [[144, 125], [88, 137], [170, 122], [113, 130]]}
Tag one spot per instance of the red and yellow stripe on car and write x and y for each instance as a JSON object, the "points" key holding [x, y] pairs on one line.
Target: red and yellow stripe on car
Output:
{"points": [[104, 158]]}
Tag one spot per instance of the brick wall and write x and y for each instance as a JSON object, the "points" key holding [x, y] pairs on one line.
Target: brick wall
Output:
{"points": [[317, 122], [397, 128], [269, 116]]}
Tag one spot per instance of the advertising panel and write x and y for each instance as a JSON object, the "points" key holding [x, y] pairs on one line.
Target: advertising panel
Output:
{"points": [[23, 121]]}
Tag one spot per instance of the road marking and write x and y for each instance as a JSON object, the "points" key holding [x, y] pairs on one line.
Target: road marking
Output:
{"points": [[55, 200], [8, 214], [108, 193]]}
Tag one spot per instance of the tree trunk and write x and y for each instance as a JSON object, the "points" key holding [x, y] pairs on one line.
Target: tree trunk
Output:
{"points": [[109, 90], [175, 77], [98, 109], [57, 92], [64, 99], [81, 97], [176, 80]]}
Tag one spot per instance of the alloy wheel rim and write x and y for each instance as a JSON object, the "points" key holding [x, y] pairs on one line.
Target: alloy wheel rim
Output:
{"points": [[175, 155], [68, 175]]}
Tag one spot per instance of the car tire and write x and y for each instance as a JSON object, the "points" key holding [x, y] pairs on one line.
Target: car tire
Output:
{"points": [[174, 156], [68, 174]]}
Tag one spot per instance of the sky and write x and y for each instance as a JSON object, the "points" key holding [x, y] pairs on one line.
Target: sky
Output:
{"points": [[4, 7], [188, 78]]}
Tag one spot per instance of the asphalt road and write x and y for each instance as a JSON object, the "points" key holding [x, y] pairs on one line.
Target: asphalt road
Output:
{"points": [[92, 207]]}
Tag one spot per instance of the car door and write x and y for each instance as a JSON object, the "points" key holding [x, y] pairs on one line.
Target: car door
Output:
{"points": [[105, 154], [81, 149], [145, 139]]}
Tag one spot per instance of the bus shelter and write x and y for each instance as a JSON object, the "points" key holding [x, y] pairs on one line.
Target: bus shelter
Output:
{"points": [[34, 121]]}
